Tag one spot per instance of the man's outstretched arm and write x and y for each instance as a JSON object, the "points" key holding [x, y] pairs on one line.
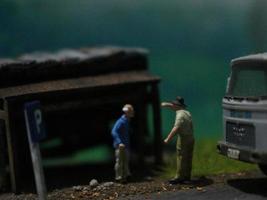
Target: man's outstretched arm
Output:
{"points": [[166, 105], [171, 134]]}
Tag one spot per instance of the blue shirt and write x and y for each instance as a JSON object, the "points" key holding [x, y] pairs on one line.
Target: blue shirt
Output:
{"points": [[120, 132]]}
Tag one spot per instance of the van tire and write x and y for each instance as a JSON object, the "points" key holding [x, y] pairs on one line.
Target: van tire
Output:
{"points": [[263, 168]]}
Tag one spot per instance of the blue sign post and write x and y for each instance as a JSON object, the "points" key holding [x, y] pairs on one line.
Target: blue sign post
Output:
{"points": [[36, 132], [35, 120]]}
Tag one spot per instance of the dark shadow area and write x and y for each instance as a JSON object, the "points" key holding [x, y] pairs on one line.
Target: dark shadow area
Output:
{"points": [[69, 176], [62, 177], [201, 181], [256, 186]]}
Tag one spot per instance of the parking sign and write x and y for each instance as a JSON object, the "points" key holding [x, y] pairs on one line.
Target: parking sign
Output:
{"points": [[36, 132], [35, 120]]}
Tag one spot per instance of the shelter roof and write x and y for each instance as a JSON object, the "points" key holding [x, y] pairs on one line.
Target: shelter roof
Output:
{"points": [[68, 63], [100, 81]]}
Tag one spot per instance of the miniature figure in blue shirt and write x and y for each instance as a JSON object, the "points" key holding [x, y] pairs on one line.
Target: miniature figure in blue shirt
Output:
{"points": [[121, 143], [120, 132]]}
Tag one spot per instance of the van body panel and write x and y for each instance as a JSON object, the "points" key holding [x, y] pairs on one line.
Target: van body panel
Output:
{"points": [[245, 111]]}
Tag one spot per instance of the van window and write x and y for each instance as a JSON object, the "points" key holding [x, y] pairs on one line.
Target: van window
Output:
{"points": [[248, 81]]}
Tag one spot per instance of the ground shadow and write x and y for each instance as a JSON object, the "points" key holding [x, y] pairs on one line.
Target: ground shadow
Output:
{"points": [[202, 181], [69, 176], [256, 186]]}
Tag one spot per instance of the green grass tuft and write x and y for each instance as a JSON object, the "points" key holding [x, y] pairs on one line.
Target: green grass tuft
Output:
{"points": [[207, 161]]}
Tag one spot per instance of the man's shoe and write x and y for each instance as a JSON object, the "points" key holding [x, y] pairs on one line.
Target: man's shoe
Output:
{"points": [[121, 180], [174, 181]]}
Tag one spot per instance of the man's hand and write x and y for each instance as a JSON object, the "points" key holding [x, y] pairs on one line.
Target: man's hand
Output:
{"points": [[166, 104], [171, 134], [163, 104], [166, 141], [121, 146]]}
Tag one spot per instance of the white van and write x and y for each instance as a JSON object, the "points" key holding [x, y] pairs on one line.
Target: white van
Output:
{"points": [[245, 111]]}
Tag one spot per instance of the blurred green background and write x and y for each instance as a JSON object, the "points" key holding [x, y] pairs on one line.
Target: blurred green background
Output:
{"points": [[191, 42]]}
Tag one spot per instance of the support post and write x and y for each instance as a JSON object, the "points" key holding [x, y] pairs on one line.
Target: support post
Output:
{"points": [[157, 124], [141, 124], [10, 150]]}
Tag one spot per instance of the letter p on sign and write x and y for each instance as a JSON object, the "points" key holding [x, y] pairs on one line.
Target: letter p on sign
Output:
{"points": [[35, 120], [38, 119]]}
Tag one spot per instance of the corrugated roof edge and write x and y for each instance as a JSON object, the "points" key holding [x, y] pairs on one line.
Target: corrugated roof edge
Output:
{"points": [[70, 63], [115, 79], [64, 55]]}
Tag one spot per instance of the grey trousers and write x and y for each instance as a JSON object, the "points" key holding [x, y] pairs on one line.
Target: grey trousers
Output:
{"points": [[185, 149], [121, 164]]}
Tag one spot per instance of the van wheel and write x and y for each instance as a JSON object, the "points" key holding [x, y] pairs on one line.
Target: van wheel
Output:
{"points": [[263, 168]]}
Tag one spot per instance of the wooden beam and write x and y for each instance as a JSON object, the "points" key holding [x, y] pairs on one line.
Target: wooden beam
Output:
{"points": [[10, 149], [141, 116], [158, 152]]}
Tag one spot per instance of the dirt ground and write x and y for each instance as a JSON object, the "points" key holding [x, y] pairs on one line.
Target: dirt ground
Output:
{"points": [[111, 190]]}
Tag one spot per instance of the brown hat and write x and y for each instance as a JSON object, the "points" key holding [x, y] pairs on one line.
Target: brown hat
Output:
{"points": [[179, 101]]}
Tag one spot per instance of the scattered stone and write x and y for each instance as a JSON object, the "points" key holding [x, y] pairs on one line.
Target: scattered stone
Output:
{"points": [[93, 183], [116, 194], [100, 187], [201, 189], [104, 186], [96, 194], [113, 191], [77, 188], [108, 184]]}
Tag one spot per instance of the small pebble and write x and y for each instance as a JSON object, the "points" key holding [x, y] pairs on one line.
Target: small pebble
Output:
{"points": [[108, 184], [77, 188], [93, 183]]}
